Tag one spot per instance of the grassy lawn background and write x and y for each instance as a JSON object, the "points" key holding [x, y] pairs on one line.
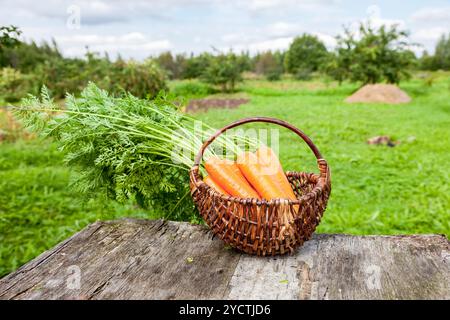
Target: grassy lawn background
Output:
{"points": [[375, 189]]}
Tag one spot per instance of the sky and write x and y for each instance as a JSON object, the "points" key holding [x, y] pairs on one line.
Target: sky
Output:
{"points": [[137, 29]]}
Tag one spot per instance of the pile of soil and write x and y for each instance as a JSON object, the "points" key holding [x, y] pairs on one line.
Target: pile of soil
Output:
{"points": [[379, 93], [197, 105], [383, 140]]}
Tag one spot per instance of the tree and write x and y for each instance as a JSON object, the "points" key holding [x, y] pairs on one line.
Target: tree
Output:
{"points": [[244, 61], [196, 65], [442, 53], [305, 53], [8, 39], [224, 70], [427, 61], [173, 66], [374, 56], [269, 65]]}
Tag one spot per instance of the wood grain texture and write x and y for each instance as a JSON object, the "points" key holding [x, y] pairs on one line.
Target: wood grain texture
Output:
{"points": [[141, 259]]}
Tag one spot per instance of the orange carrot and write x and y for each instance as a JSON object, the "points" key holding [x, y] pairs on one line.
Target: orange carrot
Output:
{"points": [[210, 182], [229, 177], [255, 173], [272, 166]]}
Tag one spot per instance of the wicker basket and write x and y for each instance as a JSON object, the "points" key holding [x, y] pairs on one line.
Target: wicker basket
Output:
{"points": [[258, 226]]}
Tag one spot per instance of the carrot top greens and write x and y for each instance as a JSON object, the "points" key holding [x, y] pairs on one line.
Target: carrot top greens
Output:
{"points": [[128, 147]]}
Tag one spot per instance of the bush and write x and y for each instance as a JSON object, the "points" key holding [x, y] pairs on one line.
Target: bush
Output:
{"points": [[269, 64], [192, 88], [174, 66], [196, 65], [14, 85], [62, 76], [303, 74], [274, 75], [225, 71], [72, 75], [144, 80]]}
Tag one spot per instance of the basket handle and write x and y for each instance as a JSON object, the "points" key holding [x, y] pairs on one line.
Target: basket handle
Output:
{"points": [[282, 123]]}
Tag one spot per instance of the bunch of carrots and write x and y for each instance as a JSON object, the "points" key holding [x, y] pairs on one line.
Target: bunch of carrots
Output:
{"points": [[253, 175]]}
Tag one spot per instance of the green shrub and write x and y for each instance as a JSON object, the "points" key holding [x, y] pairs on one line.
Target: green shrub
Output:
{"points": [[14, 85], [173, 65], [224, 71], [72, 75], [274, 75], [192, 88], [303, 74], [195, 66], [62, 76], [144, 80]]}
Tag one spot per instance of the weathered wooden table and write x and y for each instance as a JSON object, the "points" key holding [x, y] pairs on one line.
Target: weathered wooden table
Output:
{"points": [[141, 259]]}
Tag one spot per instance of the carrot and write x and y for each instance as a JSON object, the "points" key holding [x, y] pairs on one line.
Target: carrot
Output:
{"points": [[269, 160], [255, 173], [227, 174], [210, 182]]}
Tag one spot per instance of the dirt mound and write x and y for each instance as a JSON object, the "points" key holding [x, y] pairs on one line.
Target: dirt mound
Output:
{"points": [[379, 93], [196, 105]]}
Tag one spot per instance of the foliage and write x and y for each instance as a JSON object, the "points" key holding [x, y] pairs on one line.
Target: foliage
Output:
{"points": [[374, 56], [14, 85], [306, 52], [441, 58], [9, 37], [442, 53], [120, 145], [62, 75], [269, 64], [128, 147], [245, 61], [140, 79], [26, 56], [224, 71], [191, 89], [196, 66], [303, 74], [174, 66]]}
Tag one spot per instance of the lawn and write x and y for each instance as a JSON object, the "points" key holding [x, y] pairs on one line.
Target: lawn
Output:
{"points": [[375, 189]]}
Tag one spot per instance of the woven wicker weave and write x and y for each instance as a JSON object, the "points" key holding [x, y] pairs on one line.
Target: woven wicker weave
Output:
{"points": [[258, 226]]}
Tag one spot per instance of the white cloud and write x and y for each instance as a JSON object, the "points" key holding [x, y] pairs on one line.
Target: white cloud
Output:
{"points": [[134, 44], [138, 28], [273, 44], [374, 17], [234, 37], [427, 34], [432, 15], [283, 29], [328, 40], [259, 5]]}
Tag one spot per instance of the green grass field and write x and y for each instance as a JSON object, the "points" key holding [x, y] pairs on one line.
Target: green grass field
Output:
{"points": [[375, 189]]}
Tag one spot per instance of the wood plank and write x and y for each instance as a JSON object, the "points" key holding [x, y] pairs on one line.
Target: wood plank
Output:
{"points": [[133, 259], [350, 267], [142, 259]]}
